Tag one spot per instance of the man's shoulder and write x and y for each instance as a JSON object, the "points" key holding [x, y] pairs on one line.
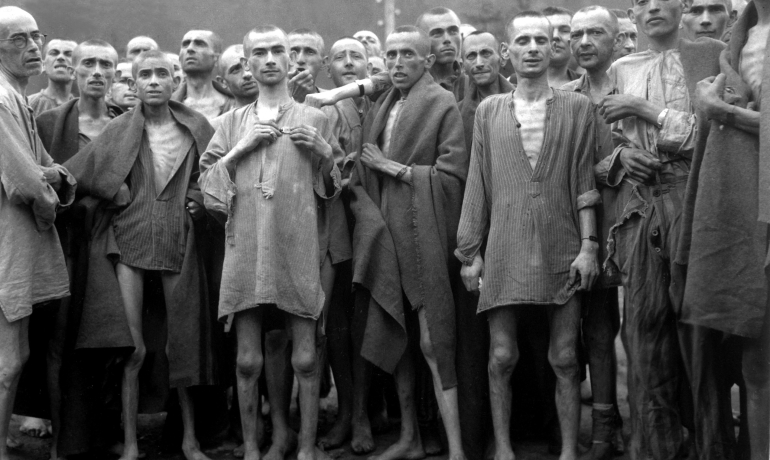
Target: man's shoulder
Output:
{"points": [[313, 115], [573, 85], [34, 97], [493, 102], [49, 116]]}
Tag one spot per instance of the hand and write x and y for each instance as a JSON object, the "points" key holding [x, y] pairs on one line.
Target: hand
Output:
{"points": [[53, 177], [471, 274], [639, 164], [619, 106], [195, 209], [308, 137], [266, 131], [372, 157], [123, 197], [586, 266], [301, 84], [708, 97], [319, 100]]}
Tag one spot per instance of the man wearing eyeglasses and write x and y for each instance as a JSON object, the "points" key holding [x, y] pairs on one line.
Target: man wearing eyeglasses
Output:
{"points": [[34, 188]]}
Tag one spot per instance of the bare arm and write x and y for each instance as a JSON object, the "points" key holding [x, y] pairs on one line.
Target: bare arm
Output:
{"points": [[586, 264]]}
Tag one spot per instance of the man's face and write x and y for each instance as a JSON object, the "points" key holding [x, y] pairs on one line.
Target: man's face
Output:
{"points": [[371, 42], [481, 58], [405, 59], [123, 94], [347, 62], [592, 39], [376, 65], [21, 62], [309, 50], [706, 18], [138, 46], [95, 70], [530, 46], [58, 60], [657, 18], [629, 36], [197, 52], [154, 81], [445, 38], [561, 38], [268, 57], [238, 78]]}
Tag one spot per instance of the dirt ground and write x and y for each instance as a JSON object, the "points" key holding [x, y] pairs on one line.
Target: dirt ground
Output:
{"points": [[150, 431]]}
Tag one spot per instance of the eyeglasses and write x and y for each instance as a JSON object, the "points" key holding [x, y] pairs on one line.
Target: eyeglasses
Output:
{"points": [[20, 41]]}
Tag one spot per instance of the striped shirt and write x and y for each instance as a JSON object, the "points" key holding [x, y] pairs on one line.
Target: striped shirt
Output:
{"points": [[530, 215], [150, 232], [271, 207]]}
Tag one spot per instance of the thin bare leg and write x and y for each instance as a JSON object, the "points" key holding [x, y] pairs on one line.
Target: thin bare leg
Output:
{"points": [[131, 281], [14, 352], [280, 377], [447, 399], [248, 330], [503, 356], [562, 354]]}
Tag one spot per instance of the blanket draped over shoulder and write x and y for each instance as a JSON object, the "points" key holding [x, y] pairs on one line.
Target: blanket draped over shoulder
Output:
{"points": [[471, 102], [405, 234], [101, 168], [723, 243]]}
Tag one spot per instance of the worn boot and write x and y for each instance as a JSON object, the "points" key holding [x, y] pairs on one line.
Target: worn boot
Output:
{"points": [[603, 430]]}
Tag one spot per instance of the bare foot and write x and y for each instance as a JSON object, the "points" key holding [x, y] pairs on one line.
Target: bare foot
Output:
{"points": [[336, 436], [117, 449], [504, 454], [12, 442], [402, 450], [35, 427], [238, 451], [282, 445], [431, 440], [192, 451], [362, 442], [315, 454], [130, 453]]}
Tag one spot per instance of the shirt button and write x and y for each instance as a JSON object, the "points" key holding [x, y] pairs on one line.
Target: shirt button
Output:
{"points": [[657, 250], [654, 233], [656, 193]]}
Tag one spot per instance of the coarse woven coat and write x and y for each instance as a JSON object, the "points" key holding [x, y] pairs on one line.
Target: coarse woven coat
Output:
{"points": [[724, 240], [405, 234], [102, 167]]}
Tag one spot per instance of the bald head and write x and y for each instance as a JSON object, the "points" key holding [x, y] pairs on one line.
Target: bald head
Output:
{"points": [[230, 56], [443, 27], [371, 41], [21, 63], [139, 45], [155, 55], [200, 52], [415, 36]]}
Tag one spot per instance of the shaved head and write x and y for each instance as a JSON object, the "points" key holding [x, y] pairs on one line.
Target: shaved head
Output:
{"points": [[216, 42], [153, 54], [440, 11], [77, 54], [248, 39], [140, 44], [231, 55], [419, 38]]}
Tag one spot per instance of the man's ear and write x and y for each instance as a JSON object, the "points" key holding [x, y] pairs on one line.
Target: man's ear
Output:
{"points": [[504, 53], [733, 15], [118, 74], [430, 60], [619, 39], [325, 63], [178, 80], [219, 79], [132, 84], [631, 16], [369, 68]]}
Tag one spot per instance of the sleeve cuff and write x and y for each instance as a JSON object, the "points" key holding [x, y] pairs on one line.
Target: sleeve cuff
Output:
{"points": [[68, 188], [615, 172], [320, 182], [589, 199], [465, 259], [218, 190]]}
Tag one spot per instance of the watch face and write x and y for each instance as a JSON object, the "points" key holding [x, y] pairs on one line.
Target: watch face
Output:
{"points": [[286, 130]]}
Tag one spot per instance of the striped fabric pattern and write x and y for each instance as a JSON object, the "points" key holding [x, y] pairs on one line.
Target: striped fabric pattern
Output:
{"points": [[530, 216], [150, 232]]}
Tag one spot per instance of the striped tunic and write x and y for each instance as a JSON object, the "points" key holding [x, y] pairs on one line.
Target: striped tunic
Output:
{"points": [[531, 216], [150, 232], [271, 205]]}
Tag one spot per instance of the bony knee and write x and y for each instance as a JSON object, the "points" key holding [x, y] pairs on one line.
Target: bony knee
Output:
{"points": [[564, 363], [11, 367], [304, 363], [249, 365], [502, 360], [136, 359]]}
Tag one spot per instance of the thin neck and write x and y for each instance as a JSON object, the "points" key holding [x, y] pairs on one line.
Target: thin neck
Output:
{"points": [[442, 71], [490, 89], [597, 77], [243, 101], [200, 85], [157, 115], [93, 107], [17, 83], [274, 95], [665, 43], [533, 89], [58, 90]]}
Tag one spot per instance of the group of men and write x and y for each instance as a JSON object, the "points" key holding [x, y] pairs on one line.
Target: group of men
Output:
{"points": [[408, 221]]}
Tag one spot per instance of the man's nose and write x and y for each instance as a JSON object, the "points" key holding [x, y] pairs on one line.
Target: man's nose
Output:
{"points": [[654, 5], [270, 57], [705, 19], [247, 75]]}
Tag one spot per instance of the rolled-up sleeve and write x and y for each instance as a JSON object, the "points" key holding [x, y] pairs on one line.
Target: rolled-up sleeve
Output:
{"points": [[215, 183]]}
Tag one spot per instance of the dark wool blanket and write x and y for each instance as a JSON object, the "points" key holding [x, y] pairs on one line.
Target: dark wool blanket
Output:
{"points": [[101, 168], [405, 234], [723, 243], [471, 102]]}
